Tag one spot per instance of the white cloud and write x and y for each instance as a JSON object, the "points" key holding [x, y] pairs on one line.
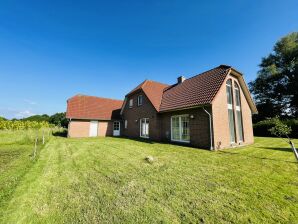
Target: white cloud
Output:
{"points": [[30, 102], [23, 114]]}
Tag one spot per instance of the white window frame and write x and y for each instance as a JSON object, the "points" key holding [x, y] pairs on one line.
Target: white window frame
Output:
{"points": [[230, 107], [140, 100], [180, 128], [130, 103], [238, 108], [144, 136]]}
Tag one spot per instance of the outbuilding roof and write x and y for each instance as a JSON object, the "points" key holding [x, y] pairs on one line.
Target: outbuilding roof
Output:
{"points": [[91, 107]]}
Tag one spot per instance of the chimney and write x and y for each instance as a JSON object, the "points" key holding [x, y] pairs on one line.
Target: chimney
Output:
{"points": [[180, 79]]}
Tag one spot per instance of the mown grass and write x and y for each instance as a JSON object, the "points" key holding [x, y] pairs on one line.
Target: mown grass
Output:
{"points": [[107, 180]]}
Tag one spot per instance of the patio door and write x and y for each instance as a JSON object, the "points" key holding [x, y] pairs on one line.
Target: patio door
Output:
{"points": [[116, 129]]}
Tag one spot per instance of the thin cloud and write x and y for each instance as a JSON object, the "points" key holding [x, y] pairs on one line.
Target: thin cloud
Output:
{"points": [[10, 113], [30, 102], [24, 114]]}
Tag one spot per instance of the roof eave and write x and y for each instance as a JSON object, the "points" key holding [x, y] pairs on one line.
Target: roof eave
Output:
{"points": [[185, 108], [245, 90]]}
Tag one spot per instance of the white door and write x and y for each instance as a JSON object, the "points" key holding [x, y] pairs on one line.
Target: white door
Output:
{"points": [[116, 130], [93, 128]]}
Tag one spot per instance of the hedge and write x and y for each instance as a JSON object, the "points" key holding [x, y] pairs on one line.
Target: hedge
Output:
{"points": [[261, 128]]}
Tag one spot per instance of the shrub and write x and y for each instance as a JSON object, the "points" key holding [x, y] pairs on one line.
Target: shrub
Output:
{"points": [[262, 127]]}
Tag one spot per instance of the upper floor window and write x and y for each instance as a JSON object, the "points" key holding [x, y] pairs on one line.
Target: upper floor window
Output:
{"points": [[238, 112], [140, 100], [130, 103], [230, 110]]}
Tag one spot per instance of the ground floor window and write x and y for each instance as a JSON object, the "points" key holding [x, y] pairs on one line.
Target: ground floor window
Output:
{"points": [[180, 128], [231, 125], [239, 124], [144, 128]]}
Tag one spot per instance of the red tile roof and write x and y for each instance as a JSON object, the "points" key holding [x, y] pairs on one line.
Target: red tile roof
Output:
{"points": [[91, 107], [153, 91], [198, 90]]}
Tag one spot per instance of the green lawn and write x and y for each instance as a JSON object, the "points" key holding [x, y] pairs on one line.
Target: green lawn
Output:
{"points": [[107, 180]]}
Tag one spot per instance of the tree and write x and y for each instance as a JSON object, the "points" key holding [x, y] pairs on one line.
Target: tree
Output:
{"points": [[275, 89], [282, 130], [2, 118], [59, 119], [38, 118]]}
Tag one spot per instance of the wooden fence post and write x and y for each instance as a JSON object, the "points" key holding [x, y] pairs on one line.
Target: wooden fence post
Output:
{"points": [[43, 137], [35, 146]]}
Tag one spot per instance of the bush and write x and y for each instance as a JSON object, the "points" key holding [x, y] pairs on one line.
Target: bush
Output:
{"points": [[262, 127]]}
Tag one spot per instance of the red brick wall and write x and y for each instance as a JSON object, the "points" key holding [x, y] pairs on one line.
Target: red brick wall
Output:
{"points": [[134, 114], [77, 129], [221, 121], [105, 128], [199, 126], [80, 128]]}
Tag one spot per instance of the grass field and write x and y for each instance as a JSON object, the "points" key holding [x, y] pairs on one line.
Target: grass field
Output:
{"points": [[107, 180]]}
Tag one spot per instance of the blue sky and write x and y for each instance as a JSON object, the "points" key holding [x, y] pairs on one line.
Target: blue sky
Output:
{"points": [[51, 50]]}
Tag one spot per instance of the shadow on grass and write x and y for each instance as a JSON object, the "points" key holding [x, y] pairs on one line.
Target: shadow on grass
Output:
{"points": [[62, 133], [144, 140], [256, 157], [276, 148]]}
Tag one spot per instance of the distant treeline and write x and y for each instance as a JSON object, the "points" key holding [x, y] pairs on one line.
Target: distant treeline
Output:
{"points": [[57, 119]]}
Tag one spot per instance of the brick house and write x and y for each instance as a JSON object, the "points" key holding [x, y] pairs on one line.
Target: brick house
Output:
{"points": [[211, 110]]}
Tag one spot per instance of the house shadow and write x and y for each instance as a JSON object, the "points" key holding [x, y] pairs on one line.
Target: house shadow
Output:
{"points": [[60, 133], [255, 157], [277, 148], [143, 140]]}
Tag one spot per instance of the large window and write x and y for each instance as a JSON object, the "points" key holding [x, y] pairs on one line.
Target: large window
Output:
{"points": [[144, 128], [140, 100], [180, 128], [238, 112], [230, 111]]}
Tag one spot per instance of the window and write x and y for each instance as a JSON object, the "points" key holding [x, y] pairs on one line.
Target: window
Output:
{"points": [[130, 103], [180, 128], [144, 128], [238, 112], [230, 110], [116, 126], [140, 100], [125, 124]]}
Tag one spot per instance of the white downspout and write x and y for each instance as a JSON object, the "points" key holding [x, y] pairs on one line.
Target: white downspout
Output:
{"points": [[210, 126]]}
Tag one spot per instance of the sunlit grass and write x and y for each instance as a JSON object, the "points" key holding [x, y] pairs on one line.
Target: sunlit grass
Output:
{"points": [[108, 180]]}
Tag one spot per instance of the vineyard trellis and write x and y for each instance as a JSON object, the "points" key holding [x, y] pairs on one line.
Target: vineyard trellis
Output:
{"points": [[23, 125]]}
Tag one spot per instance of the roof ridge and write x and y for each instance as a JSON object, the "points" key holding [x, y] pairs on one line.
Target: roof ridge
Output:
{"points": [[203, 73], [158, 82], [83, 95]]}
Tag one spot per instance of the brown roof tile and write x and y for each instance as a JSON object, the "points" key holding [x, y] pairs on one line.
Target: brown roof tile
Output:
{"points": [[198, 90], [153, 91], [91, 107]]}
